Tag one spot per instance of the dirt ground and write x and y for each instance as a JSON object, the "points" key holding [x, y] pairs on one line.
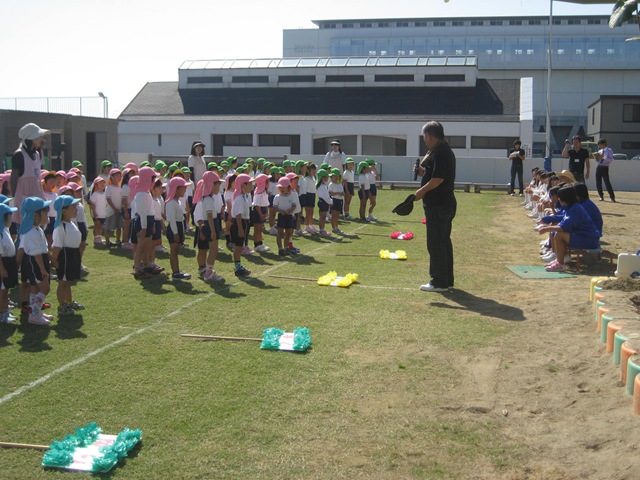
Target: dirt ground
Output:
{"points": [[554, 387]]}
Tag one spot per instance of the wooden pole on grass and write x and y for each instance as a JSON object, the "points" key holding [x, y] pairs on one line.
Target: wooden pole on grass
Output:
{"points": [[23, 445], [294, 278], [217, 337]]}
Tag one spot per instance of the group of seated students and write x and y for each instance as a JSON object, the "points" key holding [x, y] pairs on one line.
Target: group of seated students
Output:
{"points": [[561, 208]]}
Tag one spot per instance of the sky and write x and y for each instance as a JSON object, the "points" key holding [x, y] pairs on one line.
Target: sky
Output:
{"points": [[77, 48]]}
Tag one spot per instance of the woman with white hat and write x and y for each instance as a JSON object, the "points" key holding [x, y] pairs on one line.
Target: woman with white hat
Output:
{"points": [[336, 157], [26, 164]]}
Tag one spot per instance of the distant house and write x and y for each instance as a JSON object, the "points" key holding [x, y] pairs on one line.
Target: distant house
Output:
{"points": [[616, 118]]}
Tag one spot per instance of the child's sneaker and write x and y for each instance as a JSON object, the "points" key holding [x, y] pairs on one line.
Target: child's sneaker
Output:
{"points": [[371, 218], [47, 317], [180, 276], [127, 246], [212, 276], [293, 251], [242, 272], [202, 269], [348, 216], [310, 229], [555, 267], [6, 317], [97, 240], [231, 246], [262, 248], [141, 275], [38, 320], [273, 231], [282, 252], [76, 306], [337, 231], [247, 251], [300, 233], [161, 248], [324, 233], [65, 309]]}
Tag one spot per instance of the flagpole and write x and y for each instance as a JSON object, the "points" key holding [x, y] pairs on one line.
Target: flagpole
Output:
{"points": [[547, 162]]}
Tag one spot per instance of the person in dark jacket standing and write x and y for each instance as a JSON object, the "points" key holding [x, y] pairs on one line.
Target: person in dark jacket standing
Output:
{"points": [[438, 171]]}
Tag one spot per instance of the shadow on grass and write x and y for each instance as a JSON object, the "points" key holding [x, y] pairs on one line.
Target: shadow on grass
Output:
{"points": [[483, 306], [256, 282], [68, 327], [303, 259], [155, 284], [186, 287], [34, 337], [7, 330]]}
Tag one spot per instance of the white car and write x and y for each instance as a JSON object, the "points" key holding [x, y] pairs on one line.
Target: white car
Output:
{"points": [[620, 156]]}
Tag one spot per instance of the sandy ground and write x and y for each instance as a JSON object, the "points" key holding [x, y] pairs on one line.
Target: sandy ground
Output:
{"points": [[554, 387]]}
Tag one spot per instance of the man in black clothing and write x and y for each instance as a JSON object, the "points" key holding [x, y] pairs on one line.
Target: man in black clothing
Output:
{"points": [[578, 159], [516, 155], [438, 170]]}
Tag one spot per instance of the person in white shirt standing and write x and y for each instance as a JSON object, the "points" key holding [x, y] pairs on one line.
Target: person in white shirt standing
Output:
{"points": [[604, 158]]}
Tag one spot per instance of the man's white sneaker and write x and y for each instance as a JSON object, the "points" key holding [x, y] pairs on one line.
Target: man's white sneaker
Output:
{"points": [[430, 288]]}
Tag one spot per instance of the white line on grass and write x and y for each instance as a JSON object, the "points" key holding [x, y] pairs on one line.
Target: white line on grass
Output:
{"points": [[89, 355]]}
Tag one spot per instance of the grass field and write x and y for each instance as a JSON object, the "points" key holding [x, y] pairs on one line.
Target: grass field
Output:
{"points": [[364, 401]]}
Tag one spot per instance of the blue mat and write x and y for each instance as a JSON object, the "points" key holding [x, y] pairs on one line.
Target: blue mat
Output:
{"points": [[537, 271]]}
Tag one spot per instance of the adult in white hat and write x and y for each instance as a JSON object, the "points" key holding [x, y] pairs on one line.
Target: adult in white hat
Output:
{"points": [[26, 164], [336, 157]]}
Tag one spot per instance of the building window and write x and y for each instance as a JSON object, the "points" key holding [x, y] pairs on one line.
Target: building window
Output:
{"points": [[204, 80], [402, 24], [631, 113], [439, 24], [492, 143], [457, 23], [393, 78], [495, 22], [274, 140], [159, 139], [296, 78], [420, 24], [534, 22], [457, 141], [477, 23], [329, 25], [347, 25], [593, 116], [250, 79], [515, 22], [387, 146], [574, 21], [344, 78], [240, 140], [444, 77], [366, 25], [594, 21], [557, 22], [631, 146]]}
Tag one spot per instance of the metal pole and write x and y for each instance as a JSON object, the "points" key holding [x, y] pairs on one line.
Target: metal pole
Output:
{"points": [[548, 122]]}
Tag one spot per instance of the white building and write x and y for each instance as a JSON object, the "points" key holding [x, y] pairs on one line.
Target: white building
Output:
{"points": [[589, 59]]}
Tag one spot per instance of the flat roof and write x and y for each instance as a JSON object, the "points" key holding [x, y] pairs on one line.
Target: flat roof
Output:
{"points": [[426, 19]]}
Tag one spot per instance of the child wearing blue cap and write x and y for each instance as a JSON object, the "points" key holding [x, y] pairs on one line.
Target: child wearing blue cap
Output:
{"points": [[33, 257], [65, 253], [8, 264]]}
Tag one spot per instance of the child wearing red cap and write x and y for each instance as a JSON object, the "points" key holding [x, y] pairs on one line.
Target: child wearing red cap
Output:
{"points": [[285, 205], [113, 220], [98, 204], [208, 215], [175, 224], [240, 214], [143, 223], [259, 211]]}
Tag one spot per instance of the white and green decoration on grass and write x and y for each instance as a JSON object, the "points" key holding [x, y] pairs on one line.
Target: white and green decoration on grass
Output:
{"points": [[89, 450], [275, 339]]}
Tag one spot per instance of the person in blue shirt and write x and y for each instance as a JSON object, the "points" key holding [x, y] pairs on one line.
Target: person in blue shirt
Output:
{"points": [[582, 193], [575, 230]]}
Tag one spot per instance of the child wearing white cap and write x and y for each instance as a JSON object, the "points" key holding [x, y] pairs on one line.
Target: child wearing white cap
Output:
{"points": [[98, 204], [33, 257], [65, 252]]}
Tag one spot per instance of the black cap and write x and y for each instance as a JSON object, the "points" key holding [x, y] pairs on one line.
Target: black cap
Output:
{"points": [[405, 208]]}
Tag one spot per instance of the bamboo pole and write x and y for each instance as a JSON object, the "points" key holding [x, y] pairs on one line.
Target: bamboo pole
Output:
{"points": [[295, 278], [23, 445], [356, 255], [217, 337]]}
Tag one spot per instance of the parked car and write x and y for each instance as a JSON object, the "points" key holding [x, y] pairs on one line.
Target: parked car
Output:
{"points": [[637, 157], [620, 156]]}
